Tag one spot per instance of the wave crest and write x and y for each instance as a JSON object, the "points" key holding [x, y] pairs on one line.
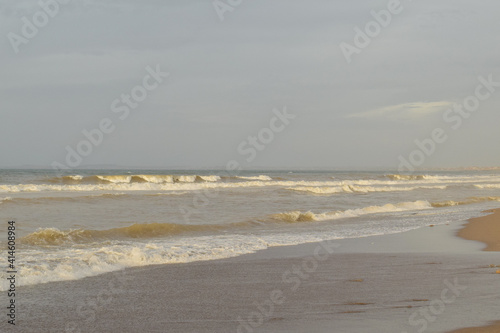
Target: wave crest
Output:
{"points": [[468, 201], [483, 186], [261, 177], [411, 177], [359, 189], [297, 216], [54, 236], [5, 199], [127, 179]]}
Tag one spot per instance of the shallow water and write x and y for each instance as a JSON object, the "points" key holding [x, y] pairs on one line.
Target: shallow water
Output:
{"points": [[89, 222]]}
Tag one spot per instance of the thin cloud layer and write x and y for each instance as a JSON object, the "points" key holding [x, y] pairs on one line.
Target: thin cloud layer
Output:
{"points": [[405, 112]]}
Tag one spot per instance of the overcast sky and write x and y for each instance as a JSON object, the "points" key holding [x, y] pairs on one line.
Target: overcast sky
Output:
{"points": [[226, 77]]}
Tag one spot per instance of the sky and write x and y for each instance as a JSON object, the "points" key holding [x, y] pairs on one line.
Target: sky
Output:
{"points": [[206, 81]]}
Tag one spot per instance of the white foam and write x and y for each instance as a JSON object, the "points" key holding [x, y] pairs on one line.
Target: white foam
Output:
{"points": [[188, 183], [210, 178], [116, 179], [490, 186], [39, 266], [195, 182], [59, 263], [297, 216], [261, 177], [157, 179], [5, 199], [360, 189]]}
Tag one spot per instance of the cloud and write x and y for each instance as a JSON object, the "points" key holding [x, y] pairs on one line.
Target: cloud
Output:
{"points": [[406, 111]]}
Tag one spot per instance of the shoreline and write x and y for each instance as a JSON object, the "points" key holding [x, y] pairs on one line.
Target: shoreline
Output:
{"points": [[493, 328], [379, 283], [485, 229]]}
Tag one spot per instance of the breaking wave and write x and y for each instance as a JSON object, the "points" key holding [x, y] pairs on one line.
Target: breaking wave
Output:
{"points": [[142, 182], [359, 189], [490, 186], [297, 216], [127, 179], [261, 177], [442, 178], [411, 177], [188, 184], [76, 262], [468, 201], [5, 199], [54, 236]]}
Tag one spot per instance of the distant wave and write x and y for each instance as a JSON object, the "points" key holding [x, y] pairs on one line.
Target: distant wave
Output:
{"points": [[143, 178], [442, 178], [183, 183], [319, 187], [261, 177], [126, 179], [359, 189], [487, 186], [298, 216], [99, 187], [144, 186], [468, 201], [411, 177], [44, 199]]}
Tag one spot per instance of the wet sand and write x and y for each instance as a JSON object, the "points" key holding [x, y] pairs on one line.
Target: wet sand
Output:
{"points": [[423, 280], [494, 328], [485, 229]]}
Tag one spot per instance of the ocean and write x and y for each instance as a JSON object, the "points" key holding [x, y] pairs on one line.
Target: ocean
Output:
{"points": [[90, 222]]}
